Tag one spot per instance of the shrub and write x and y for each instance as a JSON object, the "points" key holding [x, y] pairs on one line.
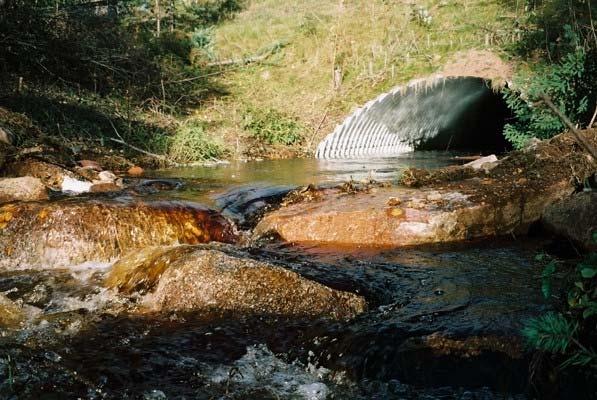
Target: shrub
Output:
{"points": [[272, 127], [190, 143], [568, 86], [569, 334]]}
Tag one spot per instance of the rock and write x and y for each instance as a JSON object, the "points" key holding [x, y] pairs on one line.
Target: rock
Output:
{"points": [[107, 176], [574, 218], [135, 171], [507, 199], [484, 162], [22, 189], [90, 164], [51, 175], [212, 278], [103, 187], [68, 232], [75, 186], [6, 136], [10, 313]]}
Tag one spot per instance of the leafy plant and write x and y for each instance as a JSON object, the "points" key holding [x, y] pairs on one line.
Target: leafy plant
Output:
{"points": [[272, 127], [568, 86], [570, 333]]}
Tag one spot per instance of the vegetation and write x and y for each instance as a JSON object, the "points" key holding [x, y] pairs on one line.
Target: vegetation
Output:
{"points": [[341, 54], [83, 69], [560, 37], [570, 334], [272, 127]]}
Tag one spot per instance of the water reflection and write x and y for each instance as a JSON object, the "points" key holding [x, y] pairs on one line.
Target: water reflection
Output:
{"points": [[308, 170]]}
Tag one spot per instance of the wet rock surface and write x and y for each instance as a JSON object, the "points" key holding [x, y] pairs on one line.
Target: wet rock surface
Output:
{"points": [[462, 203], [437, 327], [70, 232], [574, 218], [186, 278], [22, 189]]}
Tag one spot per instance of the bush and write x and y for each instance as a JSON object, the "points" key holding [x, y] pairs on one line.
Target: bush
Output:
{"points": [[190, 144], [569, 86], [272, 127], [570, 335], [560, 37]]}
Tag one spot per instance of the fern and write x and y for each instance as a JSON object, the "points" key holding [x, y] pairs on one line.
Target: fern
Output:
{"points": [[550, 332]]}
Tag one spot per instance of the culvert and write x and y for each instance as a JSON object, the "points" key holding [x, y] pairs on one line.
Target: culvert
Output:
{"points": [[439, 113]]}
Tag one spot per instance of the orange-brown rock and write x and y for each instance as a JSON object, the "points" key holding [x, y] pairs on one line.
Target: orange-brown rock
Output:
{"points": [[505, 199], [25, 188], [105, 187], [210, 278], [135, 171], [69, 232], [10, 313]]}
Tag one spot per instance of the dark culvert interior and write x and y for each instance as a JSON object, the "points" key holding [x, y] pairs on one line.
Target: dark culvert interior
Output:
{"points": [[479, 126]]}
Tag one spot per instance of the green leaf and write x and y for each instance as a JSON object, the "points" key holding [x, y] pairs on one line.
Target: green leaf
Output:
{"points": [[579, 285], [546, 287], [595, 236], [549, 269], [588, 272], [589, 312]]}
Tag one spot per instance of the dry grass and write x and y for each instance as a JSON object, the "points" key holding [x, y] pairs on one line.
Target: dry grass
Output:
{"points": [[374, 45]]}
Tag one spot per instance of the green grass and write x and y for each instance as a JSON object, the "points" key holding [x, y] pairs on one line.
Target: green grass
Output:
{"points": [[376, 45]]}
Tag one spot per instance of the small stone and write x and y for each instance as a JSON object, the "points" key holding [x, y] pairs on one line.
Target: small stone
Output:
{"points": [[483, 162], [135, 171], [107, 176], [90, 164], [24, 188], [75, 186], [104, 187]]}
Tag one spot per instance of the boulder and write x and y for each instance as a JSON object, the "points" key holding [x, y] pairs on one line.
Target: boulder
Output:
{"points": [[574, 218], [451, 206], [185, 278], [25, 188], [70, 231]]}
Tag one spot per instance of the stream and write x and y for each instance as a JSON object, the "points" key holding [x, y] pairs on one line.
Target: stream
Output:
{"points": [[443, 321]]}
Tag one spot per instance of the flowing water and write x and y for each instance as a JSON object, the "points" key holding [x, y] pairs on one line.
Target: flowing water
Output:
{"points": [[443, 321]]}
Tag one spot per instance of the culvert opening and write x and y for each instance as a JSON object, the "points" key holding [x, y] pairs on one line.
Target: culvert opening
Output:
{"points": [[455, 113]]}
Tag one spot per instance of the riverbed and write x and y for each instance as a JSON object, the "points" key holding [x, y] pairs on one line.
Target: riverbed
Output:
{"points": [[443, 321]]}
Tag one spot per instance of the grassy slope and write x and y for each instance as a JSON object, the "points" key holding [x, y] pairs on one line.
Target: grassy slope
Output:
{"points": [[376, 44]]}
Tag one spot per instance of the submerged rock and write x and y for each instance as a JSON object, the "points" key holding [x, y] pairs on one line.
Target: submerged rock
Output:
{"points": [[70, 232], [22, 189], [574, 218], [207, 278], [10, 313], [458, 205]]}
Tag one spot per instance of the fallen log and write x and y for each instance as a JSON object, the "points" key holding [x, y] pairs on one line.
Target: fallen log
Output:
{"points": [[453, 206]]}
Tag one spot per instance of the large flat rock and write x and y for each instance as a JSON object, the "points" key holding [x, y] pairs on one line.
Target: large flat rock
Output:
{"points": [[191, 278], [62, 233], [505, 199]]}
